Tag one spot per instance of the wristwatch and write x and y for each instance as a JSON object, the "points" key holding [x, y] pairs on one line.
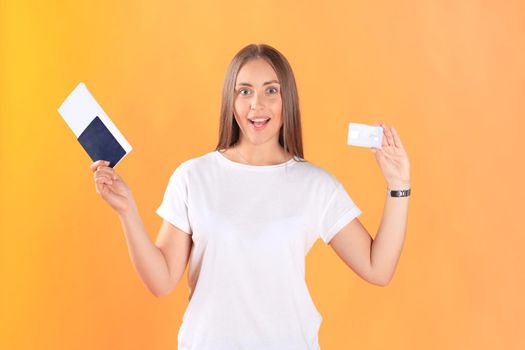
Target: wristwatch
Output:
{"points": [[398, 193]]}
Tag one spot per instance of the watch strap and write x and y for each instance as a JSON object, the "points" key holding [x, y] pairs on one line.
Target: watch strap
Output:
{"points": [[398, 193]]}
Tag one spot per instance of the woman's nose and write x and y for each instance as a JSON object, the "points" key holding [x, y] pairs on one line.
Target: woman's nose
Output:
{"points": [[257, 102]]}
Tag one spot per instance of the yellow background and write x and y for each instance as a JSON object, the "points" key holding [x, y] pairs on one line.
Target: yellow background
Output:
{"points": [[449, 75]]}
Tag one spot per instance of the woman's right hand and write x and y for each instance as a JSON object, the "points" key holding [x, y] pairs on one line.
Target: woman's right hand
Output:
{"points": [[111, 186]]}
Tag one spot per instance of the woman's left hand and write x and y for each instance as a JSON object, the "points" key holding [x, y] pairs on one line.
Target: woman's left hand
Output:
{"points": [[393, 159]]}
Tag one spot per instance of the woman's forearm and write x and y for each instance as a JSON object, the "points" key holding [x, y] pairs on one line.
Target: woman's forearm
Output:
{"points": [[388, 243], [147, 258]]}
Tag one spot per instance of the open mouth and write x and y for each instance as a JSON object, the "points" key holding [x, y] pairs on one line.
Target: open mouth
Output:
{"points": [[259, 123]]}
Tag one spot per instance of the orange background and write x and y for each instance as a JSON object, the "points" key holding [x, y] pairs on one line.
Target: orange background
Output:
{"points": [[449, 75]]}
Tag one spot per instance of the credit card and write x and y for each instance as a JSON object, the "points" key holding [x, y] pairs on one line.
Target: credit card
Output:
{"points": [[364, 135]]}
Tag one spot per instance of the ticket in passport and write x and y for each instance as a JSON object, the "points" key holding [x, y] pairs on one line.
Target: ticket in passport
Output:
{"points": [[92, 127]]}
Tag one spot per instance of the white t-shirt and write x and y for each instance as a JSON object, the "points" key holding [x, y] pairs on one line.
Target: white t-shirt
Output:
{"points": [[252, 227]]}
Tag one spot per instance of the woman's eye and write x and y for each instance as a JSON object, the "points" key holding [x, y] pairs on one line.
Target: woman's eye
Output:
{"points": [[244, 92]]}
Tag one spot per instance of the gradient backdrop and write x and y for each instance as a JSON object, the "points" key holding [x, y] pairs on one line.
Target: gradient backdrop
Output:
{"points": [[449, 75]]}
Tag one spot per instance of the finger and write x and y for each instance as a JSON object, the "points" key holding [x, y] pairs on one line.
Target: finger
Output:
{"points": [[389, 137], [99, 175], [103, 180], [98, 163], [102, 172], [103, 176], [397, 140], [107, 171]]}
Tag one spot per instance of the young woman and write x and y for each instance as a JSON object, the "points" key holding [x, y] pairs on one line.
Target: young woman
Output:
{"points": [[246, 214]]}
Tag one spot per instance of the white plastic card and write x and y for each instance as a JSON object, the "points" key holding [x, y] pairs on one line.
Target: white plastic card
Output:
{"points": [[364, 135]]}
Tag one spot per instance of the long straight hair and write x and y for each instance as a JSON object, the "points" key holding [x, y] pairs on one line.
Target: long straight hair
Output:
{"points": [[290, 134]]}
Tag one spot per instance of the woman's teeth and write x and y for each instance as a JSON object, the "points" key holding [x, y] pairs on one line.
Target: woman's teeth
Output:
{"points": [[259, 123]]}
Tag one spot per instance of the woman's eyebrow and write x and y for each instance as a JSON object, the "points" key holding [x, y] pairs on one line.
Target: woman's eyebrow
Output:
{"points": [[265, 83]]}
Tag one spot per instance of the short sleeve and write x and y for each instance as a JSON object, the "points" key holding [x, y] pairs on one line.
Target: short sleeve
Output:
{"points": [[338, 211], [174, 205]]}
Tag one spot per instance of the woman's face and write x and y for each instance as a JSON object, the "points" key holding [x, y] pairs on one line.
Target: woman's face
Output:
{"points": [[258, 97]]}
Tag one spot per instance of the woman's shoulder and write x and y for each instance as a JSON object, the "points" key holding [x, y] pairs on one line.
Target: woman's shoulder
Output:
{"points": [[192, 164], [198, 161], [318, 174]]}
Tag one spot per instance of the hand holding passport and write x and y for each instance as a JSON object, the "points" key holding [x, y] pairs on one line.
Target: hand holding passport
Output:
{"points": [[102, 141]]}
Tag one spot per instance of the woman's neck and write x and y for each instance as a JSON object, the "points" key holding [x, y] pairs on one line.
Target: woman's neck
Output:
{"points": [[258, 154]]}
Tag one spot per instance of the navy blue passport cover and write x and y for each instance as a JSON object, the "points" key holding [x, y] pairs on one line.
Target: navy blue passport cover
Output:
{"points": [[99, 143]]}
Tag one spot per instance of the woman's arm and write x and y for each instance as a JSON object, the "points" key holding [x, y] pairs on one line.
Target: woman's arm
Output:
{"points": [[387, 245], [160, 265], [375, 260], [147, 258]]}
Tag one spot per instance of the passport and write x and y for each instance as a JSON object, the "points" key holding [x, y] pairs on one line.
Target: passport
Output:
{"points": [[92, 127]]}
